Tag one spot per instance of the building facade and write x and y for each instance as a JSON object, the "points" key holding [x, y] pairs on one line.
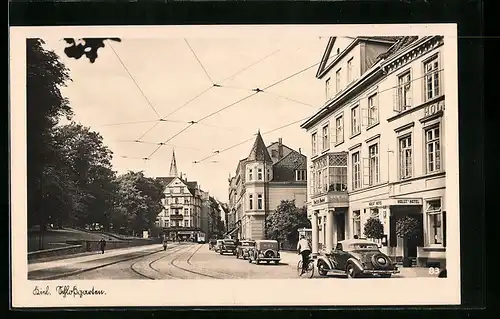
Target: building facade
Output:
{"points": [[263, 179], [182, 213], [377, 145]]}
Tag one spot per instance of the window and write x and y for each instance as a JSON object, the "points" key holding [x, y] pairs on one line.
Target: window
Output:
{"points": [[326, 141], [337, 81], [356, 223], [313, 144], [328, 89], [374, 213], [434, 217], [166, 223], [432, 85], [250, 174], [374, 164], [186, 223], [405, 157], [339, 126], [259, 174], [404, 91], [268, 174], [300, 175], [349, 71], [355, 124], [372, 110], [181, 190], [259, 201], [432, 150], [356, 171], [250, 201], [186, 212], [176, 200], [274, 153], [186, 200]]}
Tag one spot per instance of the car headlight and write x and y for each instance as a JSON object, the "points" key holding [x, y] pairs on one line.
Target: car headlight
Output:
{"points": [[278, 254]]}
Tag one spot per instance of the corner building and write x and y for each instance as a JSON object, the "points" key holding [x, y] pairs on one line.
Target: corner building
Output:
{"points": [[377, 144]]}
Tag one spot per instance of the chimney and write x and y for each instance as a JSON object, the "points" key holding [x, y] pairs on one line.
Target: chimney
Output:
{"points": [[300, 150], [280, 148]]}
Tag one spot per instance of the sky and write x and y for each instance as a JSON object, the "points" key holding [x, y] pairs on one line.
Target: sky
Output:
{"points": [[171, 72]]}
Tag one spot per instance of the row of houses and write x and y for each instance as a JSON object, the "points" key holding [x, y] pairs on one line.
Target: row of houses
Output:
{"points": [[188, 210], [376, 151]]}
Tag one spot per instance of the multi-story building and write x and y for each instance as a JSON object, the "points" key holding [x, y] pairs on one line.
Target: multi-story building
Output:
{"points": [[263, 179], [377, 144], [181, 216]]}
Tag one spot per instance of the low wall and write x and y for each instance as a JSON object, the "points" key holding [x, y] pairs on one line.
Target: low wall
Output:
{"points": [[82, 246]]}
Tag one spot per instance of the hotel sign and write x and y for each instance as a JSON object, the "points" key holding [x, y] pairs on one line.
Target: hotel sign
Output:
{"points": [[416, 201], [320, 200], [434, 108]]}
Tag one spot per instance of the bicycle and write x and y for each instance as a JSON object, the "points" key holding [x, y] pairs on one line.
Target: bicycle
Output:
{"points": [[309, 270]]}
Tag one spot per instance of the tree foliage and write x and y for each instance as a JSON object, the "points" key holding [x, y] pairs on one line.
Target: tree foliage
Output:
{"points": [[407, 226], [46, 74], [283, 223], [374, 228], [85, 46]]}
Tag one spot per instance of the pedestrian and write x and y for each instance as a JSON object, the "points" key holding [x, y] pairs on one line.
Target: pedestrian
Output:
{"points": [[164, 243], [102, 244], [304, 249]]}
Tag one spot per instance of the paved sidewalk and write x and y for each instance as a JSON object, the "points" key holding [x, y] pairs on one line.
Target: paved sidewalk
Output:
{"points": [[94, 257]]}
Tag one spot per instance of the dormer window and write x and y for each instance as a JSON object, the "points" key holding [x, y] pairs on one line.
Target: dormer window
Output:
{"points": [[300, 175]]}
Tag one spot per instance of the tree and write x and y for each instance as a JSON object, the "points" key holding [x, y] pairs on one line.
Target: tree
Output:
{"points": [[283, 223], [374, 228], [85, 46], [46, 74], [406, 228], [138, 202]]}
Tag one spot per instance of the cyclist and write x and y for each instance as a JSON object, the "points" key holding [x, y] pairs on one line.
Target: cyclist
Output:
{"points": [[304, 249]]}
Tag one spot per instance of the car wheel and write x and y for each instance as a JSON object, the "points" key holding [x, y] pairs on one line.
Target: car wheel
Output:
{"points": [[257, 261], [276, 262], [220, 252], [322, 268], [350, 271], [249, 260]]}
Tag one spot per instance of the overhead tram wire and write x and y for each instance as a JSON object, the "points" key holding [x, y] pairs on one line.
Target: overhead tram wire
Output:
{"points": [[201, 64], [206, 90], [133, 79], [256, 91]]}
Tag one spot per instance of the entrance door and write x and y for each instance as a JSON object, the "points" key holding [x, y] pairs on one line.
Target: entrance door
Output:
{"points": [[340, 222]]}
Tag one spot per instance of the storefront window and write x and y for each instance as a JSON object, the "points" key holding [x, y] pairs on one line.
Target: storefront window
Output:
{"points": [[434, 217]]}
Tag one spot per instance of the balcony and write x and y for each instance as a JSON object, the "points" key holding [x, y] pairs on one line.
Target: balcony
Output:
{"points": [[176, 205], [176, 217]]}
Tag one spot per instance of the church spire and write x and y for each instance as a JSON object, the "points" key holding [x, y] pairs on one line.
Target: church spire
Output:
{"points": [[173, 166]]}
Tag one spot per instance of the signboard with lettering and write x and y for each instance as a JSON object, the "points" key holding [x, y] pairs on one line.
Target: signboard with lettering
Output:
{"points": [[320, 200], [406, 201], [375, 203], [434, 108]]}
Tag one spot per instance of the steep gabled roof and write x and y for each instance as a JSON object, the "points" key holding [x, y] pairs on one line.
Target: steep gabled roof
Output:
{"points": [[165, 180], [259, 151], [398, 46]]}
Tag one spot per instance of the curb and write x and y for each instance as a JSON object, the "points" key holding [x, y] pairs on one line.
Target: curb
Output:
{"points": [[77, 272]]}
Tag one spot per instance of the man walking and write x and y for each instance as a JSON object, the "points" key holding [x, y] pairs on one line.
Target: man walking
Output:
{"points": [[304, 249], [164, 243], [102, 244]]}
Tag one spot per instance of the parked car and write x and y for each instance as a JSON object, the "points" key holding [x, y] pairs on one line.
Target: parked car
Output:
{"points": [[356, 258], [264, 250], [227, 246], [218, 245], [242, 250]]}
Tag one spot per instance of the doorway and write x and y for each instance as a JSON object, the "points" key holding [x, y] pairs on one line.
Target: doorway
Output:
{"points": [[340, 222]]}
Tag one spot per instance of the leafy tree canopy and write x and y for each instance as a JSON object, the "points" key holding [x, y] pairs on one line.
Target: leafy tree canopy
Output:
{"points": [[85, 46], [284, 222], [374, 228]]}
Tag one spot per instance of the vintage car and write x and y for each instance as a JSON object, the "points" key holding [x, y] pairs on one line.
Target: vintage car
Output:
{"points": [[356, 258], [264, 250], [243, 248], [218, 245], [226, 246]]}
